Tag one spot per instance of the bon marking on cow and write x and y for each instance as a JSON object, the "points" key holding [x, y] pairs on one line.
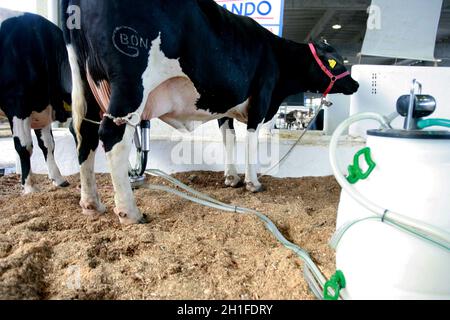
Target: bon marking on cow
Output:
{"points": [[181, 61], [34, 84]]}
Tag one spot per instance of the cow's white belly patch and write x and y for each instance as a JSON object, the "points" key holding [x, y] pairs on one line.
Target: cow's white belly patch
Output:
{"points": [[40, 120], [174, 102], [172, 97]]}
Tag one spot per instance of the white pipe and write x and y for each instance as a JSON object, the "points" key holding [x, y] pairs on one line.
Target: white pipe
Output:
{"points": [[53, 12], [424, 230]]}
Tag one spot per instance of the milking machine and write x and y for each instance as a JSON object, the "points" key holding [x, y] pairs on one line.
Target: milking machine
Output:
{"points": [[138, 165], [393, 226]]}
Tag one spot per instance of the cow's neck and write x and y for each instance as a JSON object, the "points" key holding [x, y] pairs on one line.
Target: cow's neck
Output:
{"points": [[294, 61]]}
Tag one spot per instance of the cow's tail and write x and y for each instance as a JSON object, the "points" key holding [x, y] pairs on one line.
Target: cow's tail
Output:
{"points": [[64, 16], [79, 106]]}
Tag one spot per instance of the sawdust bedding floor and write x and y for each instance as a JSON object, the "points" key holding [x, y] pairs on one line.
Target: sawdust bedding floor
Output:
{"points": [[49, 250]]}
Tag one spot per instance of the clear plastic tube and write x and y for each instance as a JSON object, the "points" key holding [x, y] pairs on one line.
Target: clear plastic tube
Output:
{"points": [[205, 200]]}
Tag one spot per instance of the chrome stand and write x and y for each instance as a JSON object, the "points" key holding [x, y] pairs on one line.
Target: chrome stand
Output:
{"points": [[142, 144]]}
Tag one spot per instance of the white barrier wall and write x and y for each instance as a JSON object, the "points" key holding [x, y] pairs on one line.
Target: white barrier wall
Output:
{"points": [[200, 154], [337, 113], [381, 86]]}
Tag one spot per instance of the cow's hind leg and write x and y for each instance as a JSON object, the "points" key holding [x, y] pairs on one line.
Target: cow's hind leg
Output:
{"points": [[232, 178], [256, 118], [251, 158], [86, 136], [46, 142], [90, 199], [23, 144], [117, 139]]}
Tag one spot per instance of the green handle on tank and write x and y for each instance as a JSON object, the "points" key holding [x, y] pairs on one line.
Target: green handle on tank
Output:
{"points": [[426, 123], [355, 171], [337, 283]]}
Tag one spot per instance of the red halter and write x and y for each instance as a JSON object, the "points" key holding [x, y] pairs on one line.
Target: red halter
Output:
{"points": [[332, 77]]}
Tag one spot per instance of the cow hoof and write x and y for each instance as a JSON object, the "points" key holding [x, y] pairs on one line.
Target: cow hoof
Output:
{"points": [[92, 208], [30, 190], [128, 219], [64, 184], [144, 219], [233, 181], [251, 187]]}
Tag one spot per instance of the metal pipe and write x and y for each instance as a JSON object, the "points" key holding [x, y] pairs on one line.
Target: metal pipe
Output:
{"points": [[145, 135], [412, 100]]}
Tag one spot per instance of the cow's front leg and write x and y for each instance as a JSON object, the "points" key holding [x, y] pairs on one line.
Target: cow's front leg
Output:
{"points": [[90, 200], [24, 147], [46, 142], [232, 178], [117, 141], [251, 158]]}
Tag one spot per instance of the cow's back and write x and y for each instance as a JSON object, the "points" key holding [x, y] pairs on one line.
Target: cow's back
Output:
{"points": [[220, 52], [33, 64]]}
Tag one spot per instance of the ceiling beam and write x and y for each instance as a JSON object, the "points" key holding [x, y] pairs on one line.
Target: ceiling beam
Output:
{"points": [[446, 6], [407, 62], [320, 25], [442, 50], [354, 5], [359, 37]]}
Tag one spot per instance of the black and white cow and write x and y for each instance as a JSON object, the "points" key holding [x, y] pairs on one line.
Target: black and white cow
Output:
{"points": [[180, 61], [35, 83]]}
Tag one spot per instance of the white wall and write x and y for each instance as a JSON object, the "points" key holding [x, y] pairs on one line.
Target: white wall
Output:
{"points": [[308, 159], [51, 10], [46, 8], [20, 5], [337, 113]]}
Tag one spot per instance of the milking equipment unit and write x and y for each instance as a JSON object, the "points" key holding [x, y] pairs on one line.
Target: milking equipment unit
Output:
{"points": [[393, 225], [141, 142]]}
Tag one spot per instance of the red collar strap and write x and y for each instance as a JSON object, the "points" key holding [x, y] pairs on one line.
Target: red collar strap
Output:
{"points": [[332, 77]]}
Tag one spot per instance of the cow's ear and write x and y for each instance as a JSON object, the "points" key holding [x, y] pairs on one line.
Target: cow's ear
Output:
{"points": [[323, 46], [319, 44], [320, 48]]}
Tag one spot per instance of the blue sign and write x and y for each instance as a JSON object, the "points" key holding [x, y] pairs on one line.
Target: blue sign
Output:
{"points": [[268, 13]]}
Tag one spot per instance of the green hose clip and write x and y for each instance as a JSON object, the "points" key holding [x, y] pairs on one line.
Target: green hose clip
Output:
{"points": [[337, 283], [355, 171]]}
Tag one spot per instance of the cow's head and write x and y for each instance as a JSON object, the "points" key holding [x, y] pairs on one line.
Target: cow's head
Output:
{"points": [[328, 71]]}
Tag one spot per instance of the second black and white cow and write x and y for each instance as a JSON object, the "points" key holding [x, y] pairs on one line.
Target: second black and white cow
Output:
{"points": [[35, 83], [180, 61]]}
